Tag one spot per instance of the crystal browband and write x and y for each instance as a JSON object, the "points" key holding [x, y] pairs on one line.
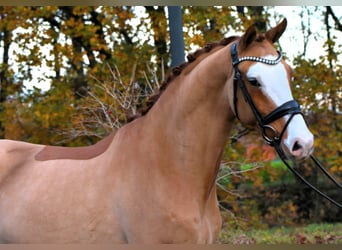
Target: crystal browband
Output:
{"points": [[260, 59]]}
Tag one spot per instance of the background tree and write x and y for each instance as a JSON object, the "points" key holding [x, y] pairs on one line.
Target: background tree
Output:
{"points": [[253, 14]]}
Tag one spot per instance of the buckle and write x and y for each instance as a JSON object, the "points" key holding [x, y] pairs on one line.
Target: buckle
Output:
{"points": [[270, 135]]}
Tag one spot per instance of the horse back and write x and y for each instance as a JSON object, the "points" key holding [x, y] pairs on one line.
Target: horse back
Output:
{"points": [[75, 153], [14, 154], [17, 154]]}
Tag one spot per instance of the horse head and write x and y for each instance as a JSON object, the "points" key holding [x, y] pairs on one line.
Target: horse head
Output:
{"points": [[262, 92]]}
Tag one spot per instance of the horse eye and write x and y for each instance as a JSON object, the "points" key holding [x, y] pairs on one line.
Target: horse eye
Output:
{"points": [[254, 82]]}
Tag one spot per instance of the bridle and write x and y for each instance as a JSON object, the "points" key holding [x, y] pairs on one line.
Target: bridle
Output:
{"points": [[290, 108]]}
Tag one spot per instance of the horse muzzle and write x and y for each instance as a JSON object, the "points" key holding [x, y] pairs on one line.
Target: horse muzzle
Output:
{"points": [[299, 141]]}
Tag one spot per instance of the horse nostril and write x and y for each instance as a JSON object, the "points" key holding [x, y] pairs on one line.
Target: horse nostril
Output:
{"points": [[296, 146], [301, 148]]}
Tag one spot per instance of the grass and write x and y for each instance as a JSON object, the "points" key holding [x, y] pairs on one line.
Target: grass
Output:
{"points": [[309, 234]]}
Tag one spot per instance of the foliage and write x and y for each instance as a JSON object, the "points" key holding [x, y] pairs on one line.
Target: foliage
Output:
{"points": [[35, 118], [206, 23], [310, 234], [78, 44], [319, 89]]}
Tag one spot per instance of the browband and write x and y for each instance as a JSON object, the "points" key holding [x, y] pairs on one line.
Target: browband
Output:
{"points": [[237, 60]]}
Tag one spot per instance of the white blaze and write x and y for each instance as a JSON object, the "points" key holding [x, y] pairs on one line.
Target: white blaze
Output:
{"points": [[274, 84]]}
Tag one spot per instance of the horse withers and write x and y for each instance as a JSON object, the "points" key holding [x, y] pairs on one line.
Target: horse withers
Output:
{"points": [[153, 180]]}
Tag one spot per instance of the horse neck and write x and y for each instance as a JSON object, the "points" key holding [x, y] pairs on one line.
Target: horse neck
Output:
{"points": [[191, 120]]}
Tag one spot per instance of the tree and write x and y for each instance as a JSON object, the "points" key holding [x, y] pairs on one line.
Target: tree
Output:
{"points": [[253, 14], [158, 23], [79, 42], [330, 12], [9, 19]]}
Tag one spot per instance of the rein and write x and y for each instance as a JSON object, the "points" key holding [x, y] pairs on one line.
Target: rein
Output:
{"points": [[291, 108]]}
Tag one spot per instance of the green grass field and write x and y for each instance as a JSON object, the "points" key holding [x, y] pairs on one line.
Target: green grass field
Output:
{"points": [[309, 234]]}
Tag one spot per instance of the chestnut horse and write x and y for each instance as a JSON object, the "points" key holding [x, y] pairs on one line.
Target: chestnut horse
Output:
{"points": [[153, 180]]}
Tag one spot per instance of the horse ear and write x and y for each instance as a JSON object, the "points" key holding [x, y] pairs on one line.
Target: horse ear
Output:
{"points": [[248, 37], [275, 33]]}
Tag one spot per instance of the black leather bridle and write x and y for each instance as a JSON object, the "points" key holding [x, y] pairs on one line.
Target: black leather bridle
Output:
{"points": [[290, 108]]}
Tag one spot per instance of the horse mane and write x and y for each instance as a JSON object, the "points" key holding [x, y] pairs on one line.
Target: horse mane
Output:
{"points": [[176, 71]]}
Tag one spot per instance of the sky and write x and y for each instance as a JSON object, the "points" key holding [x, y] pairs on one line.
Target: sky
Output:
{"points": [[293, 36], [291, 41]]}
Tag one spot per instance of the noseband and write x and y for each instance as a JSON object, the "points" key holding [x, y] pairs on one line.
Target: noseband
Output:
{"points": [[290, 108]]}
